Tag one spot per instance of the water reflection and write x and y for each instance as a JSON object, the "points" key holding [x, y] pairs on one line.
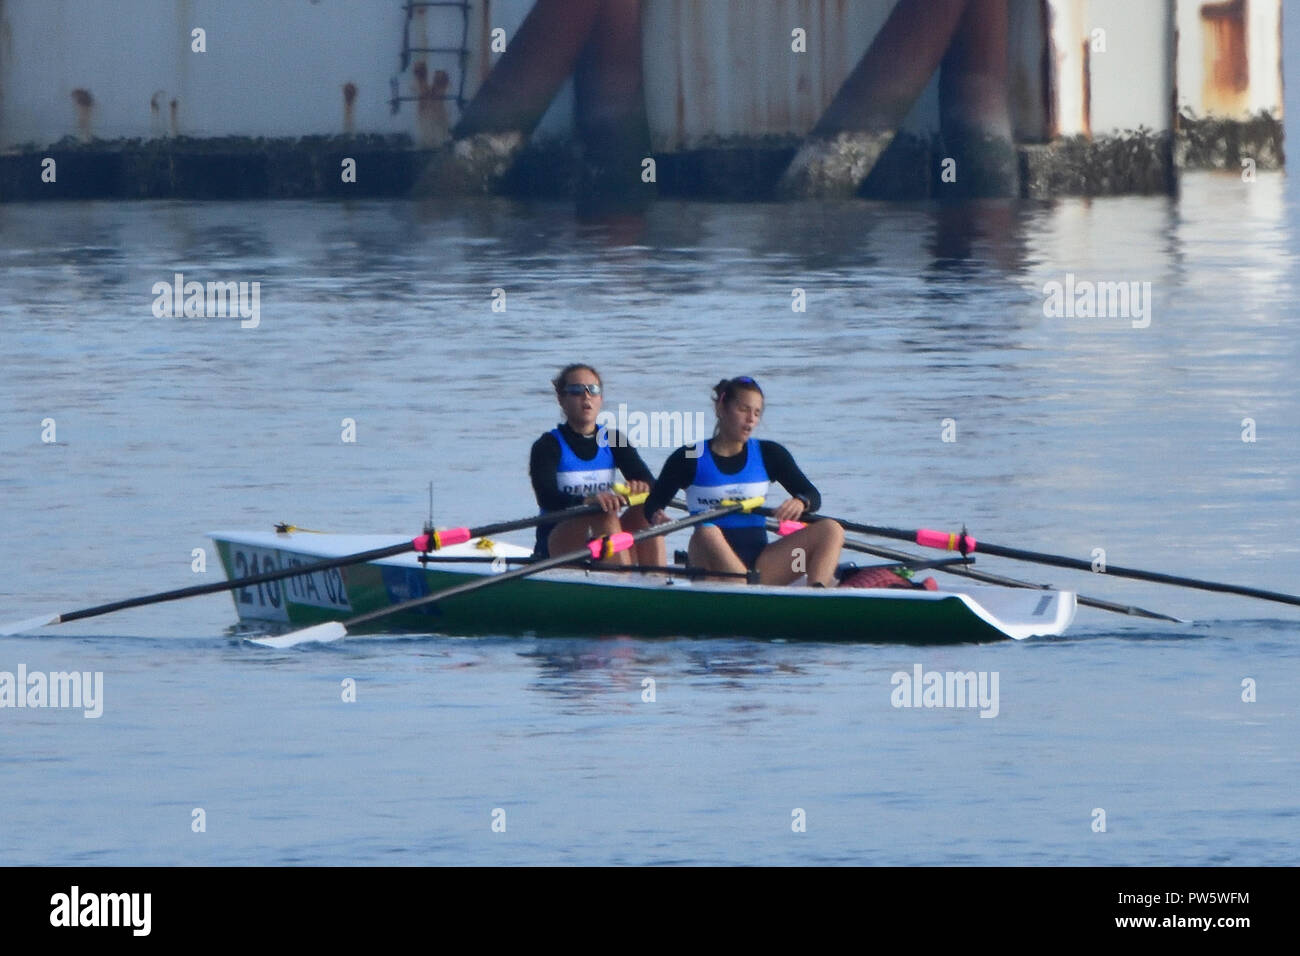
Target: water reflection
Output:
{"points": [[591, 669], [973, 235]]}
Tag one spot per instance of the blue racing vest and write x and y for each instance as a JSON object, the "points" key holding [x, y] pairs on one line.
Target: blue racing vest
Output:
{"points": [[711, 486], [576, 476]]}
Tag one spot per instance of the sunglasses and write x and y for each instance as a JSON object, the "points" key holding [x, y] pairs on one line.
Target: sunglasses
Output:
{"points": [[580, 389], [744, 380]]}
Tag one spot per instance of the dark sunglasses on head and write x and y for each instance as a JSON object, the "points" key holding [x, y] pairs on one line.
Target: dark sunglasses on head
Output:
{"points": [[579, 389], [744, 380]]}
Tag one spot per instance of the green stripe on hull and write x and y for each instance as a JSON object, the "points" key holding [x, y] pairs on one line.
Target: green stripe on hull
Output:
{"points": [[569, 608]]}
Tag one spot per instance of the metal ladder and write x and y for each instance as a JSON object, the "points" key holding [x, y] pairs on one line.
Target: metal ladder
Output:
{"points": [[461, 52]]}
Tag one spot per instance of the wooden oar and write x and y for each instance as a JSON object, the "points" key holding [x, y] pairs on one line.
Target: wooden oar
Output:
{"points": [[967, 545], [601, 547], [430, 541]]}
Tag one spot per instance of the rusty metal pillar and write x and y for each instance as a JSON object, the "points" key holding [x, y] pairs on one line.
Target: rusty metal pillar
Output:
{"points": [[974, 104], [508, 106], [610, 112], [871, 104]]}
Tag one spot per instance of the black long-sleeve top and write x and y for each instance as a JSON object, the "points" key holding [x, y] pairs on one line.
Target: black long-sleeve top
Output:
{"points": [[544, 465], [679, 472]]}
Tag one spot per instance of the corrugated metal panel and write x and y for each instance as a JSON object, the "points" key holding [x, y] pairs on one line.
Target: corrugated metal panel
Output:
{"points": [[1027, 77], [715, 69], [1229, 58], [723, 68], [6, 45], [1067, 26], [1132, 81], [271, 69], [1125, 86]]}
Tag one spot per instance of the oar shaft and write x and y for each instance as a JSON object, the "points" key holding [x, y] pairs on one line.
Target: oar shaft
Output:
{"points": [[922, 564], [537, 566], [987, 578], [218, 586], [501, 527], [1078, 564], [1138, 574], [907, 560], [326, 564], [588, 565]]}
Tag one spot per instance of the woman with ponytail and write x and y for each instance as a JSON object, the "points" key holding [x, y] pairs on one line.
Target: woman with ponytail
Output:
{"points": [[577, 463], [735, 465]]}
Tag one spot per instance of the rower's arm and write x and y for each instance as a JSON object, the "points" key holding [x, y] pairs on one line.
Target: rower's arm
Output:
{"points": [[781, 468], [678, 473], [629, 462], [543, 466]]}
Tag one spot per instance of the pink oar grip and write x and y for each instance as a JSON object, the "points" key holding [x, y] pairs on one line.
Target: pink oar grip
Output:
{"points": [[943, 540], [451, 536], [441, 539], [614, 543], [790, 527]]}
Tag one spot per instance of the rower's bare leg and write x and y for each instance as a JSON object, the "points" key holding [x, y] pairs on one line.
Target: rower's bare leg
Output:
{"points": [[820, 544], [652, 551], [576, 532], [709, 549]]}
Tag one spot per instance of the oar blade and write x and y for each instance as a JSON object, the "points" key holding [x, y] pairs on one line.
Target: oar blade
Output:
{"points": [[30, 624], [318, 634]]}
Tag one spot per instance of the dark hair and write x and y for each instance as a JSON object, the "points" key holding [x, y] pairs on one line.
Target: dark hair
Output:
{"points": [[563, 378], [726, 390]]}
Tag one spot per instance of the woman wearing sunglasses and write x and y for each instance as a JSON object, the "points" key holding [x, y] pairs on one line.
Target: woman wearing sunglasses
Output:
{"points": [[576, 463], [734, 464]]}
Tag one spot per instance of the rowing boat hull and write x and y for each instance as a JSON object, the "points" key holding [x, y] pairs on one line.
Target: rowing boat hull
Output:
{"points": [[576, 602]]}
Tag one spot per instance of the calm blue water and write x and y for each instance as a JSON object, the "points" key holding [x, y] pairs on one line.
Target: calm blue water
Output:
{"points": [[1072, 434]]}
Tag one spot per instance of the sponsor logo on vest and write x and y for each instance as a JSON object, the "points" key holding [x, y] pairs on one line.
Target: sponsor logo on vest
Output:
{"points": [[710, 503], [586, 488], [653, 430]]}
